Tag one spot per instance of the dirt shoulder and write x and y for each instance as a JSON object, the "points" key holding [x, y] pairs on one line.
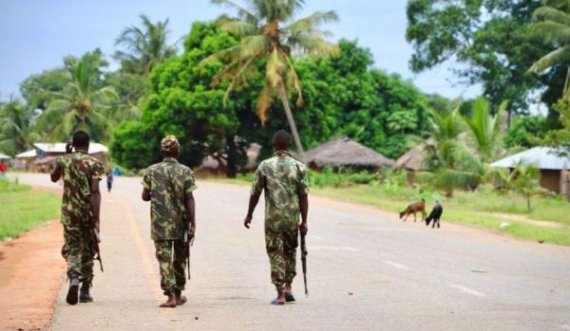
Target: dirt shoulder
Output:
{"points": [[31, 272]]}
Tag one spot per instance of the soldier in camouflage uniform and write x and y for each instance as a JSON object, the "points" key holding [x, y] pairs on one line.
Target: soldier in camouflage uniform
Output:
{"points": [[284, 180], [80, 206], [169, 185]]}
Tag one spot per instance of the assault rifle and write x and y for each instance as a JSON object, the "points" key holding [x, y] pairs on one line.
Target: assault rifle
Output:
{"points": [[97, 252], [187, 243], [304, 262]]}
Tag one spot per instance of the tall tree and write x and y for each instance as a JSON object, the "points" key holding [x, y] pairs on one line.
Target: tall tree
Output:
{"points": [[181, 102], [492, 43], [16, 127], [146, 46], [268, 34], [84, 103]]}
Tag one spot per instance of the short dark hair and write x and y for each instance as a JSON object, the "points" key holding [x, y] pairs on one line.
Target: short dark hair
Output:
{"points": [[281, 140], [80, 139]]}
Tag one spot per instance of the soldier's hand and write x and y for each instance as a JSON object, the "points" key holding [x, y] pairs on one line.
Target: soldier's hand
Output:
{"points": [[303, 228], [247, 221], [191, 232]]}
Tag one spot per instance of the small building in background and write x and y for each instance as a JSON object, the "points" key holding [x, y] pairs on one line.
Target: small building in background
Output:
{"points": [[554, 168], [43, 156], [345, 153], [413, 160]]}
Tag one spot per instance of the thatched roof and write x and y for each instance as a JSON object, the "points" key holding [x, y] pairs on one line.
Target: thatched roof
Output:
{"points": [[413, 159], [344, 152]]}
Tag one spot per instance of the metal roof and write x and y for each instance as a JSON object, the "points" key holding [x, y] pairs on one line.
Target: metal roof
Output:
{"points": [[26, 154], [4, 157], [541, 157]]}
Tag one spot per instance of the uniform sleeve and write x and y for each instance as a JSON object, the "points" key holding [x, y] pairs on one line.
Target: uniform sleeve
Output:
{"points": [[146, 182], [258, 182], [303, 181], [189, 183]]}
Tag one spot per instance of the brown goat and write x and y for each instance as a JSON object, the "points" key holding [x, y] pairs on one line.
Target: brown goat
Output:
{"points": [[414, 208]]}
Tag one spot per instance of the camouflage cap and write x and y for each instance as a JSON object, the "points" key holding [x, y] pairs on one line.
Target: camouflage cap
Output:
{"points": [[169, 143]]}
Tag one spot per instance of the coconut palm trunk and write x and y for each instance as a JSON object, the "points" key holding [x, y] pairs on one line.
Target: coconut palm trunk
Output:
{"points": [[292, 125]]}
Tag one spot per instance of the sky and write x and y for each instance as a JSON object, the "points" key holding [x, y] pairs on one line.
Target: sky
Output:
{"points": [[35, 35]]}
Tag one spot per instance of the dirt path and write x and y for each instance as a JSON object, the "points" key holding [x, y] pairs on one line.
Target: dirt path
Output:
{"points": [[31, 272]]}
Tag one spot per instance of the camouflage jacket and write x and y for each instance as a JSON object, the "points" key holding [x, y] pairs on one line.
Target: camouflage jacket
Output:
{"points": [[169, 183], [78, 170], [284, 179]]}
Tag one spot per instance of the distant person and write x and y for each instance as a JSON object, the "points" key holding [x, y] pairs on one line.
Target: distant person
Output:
{"points": [[117, 171], [284, 180], [80, 207], [169, 186], [109, 180], [3, 167]]}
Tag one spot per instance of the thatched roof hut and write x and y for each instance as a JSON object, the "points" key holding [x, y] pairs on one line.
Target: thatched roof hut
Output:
{"points": [[413, 159], [344, 152]]}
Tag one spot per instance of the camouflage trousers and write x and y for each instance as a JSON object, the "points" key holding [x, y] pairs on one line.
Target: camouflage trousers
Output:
{"points": [[78, 252], [281, 246], [171, 256]]}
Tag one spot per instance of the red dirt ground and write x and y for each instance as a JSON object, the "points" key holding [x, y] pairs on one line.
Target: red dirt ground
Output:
{"points": [[31, 271]]}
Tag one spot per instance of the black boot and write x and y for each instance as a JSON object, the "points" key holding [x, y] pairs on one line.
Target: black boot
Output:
{"points": [[72, 292], [84, 295]]}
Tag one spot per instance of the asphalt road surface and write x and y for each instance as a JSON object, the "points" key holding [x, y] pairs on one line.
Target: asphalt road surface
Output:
{"points": [[367, 271]]}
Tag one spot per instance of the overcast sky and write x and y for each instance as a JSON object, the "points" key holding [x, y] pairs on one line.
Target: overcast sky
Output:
{"points": [[35, 35]]}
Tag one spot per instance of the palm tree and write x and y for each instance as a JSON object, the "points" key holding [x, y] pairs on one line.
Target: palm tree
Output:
{"points": [[485, 130], [146, 46], [269, 35], [16, 127], [454, 164], [552, 21], [525, 179], [84, 103]]}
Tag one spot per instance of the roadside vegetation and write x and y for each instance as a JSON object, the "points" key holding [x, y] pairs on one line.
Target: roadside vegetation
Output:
{"points": [[23, 208], [502, 212]]}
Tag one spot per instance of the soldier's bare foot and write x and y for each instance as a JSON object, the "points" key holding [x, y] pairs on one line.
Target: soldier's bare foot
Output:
{"points": [[170, 303], [280, 300], [180, 300]]}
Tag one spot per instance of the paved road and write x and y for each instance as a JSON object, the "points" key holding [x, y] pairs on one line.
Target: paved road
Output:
{"points": [[367, 271]]}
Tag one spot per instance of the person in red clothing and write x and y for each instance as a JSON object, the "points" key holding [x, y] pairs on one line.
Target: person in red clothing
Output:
{"points": [[3, 167]]}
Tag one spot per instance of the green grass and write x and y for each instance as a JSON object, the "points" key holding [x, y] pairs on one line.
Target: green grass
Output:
{"points": [[484, 208], [23, 208]]}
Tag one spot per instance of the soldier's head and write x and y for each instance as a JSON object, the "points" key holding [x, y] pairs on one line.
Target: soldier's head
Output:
{"points": [[80, 140], [169, 146], [281, 140]]}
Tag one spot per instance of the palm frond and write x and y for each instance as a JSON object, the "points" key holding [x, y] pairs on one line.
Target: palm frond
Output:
{"points": [[236, 27], [311, 22], [553, 32], [254, 46], [547, 13], [560, 55], [264, 102], [242, 12], [275, 68]]}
